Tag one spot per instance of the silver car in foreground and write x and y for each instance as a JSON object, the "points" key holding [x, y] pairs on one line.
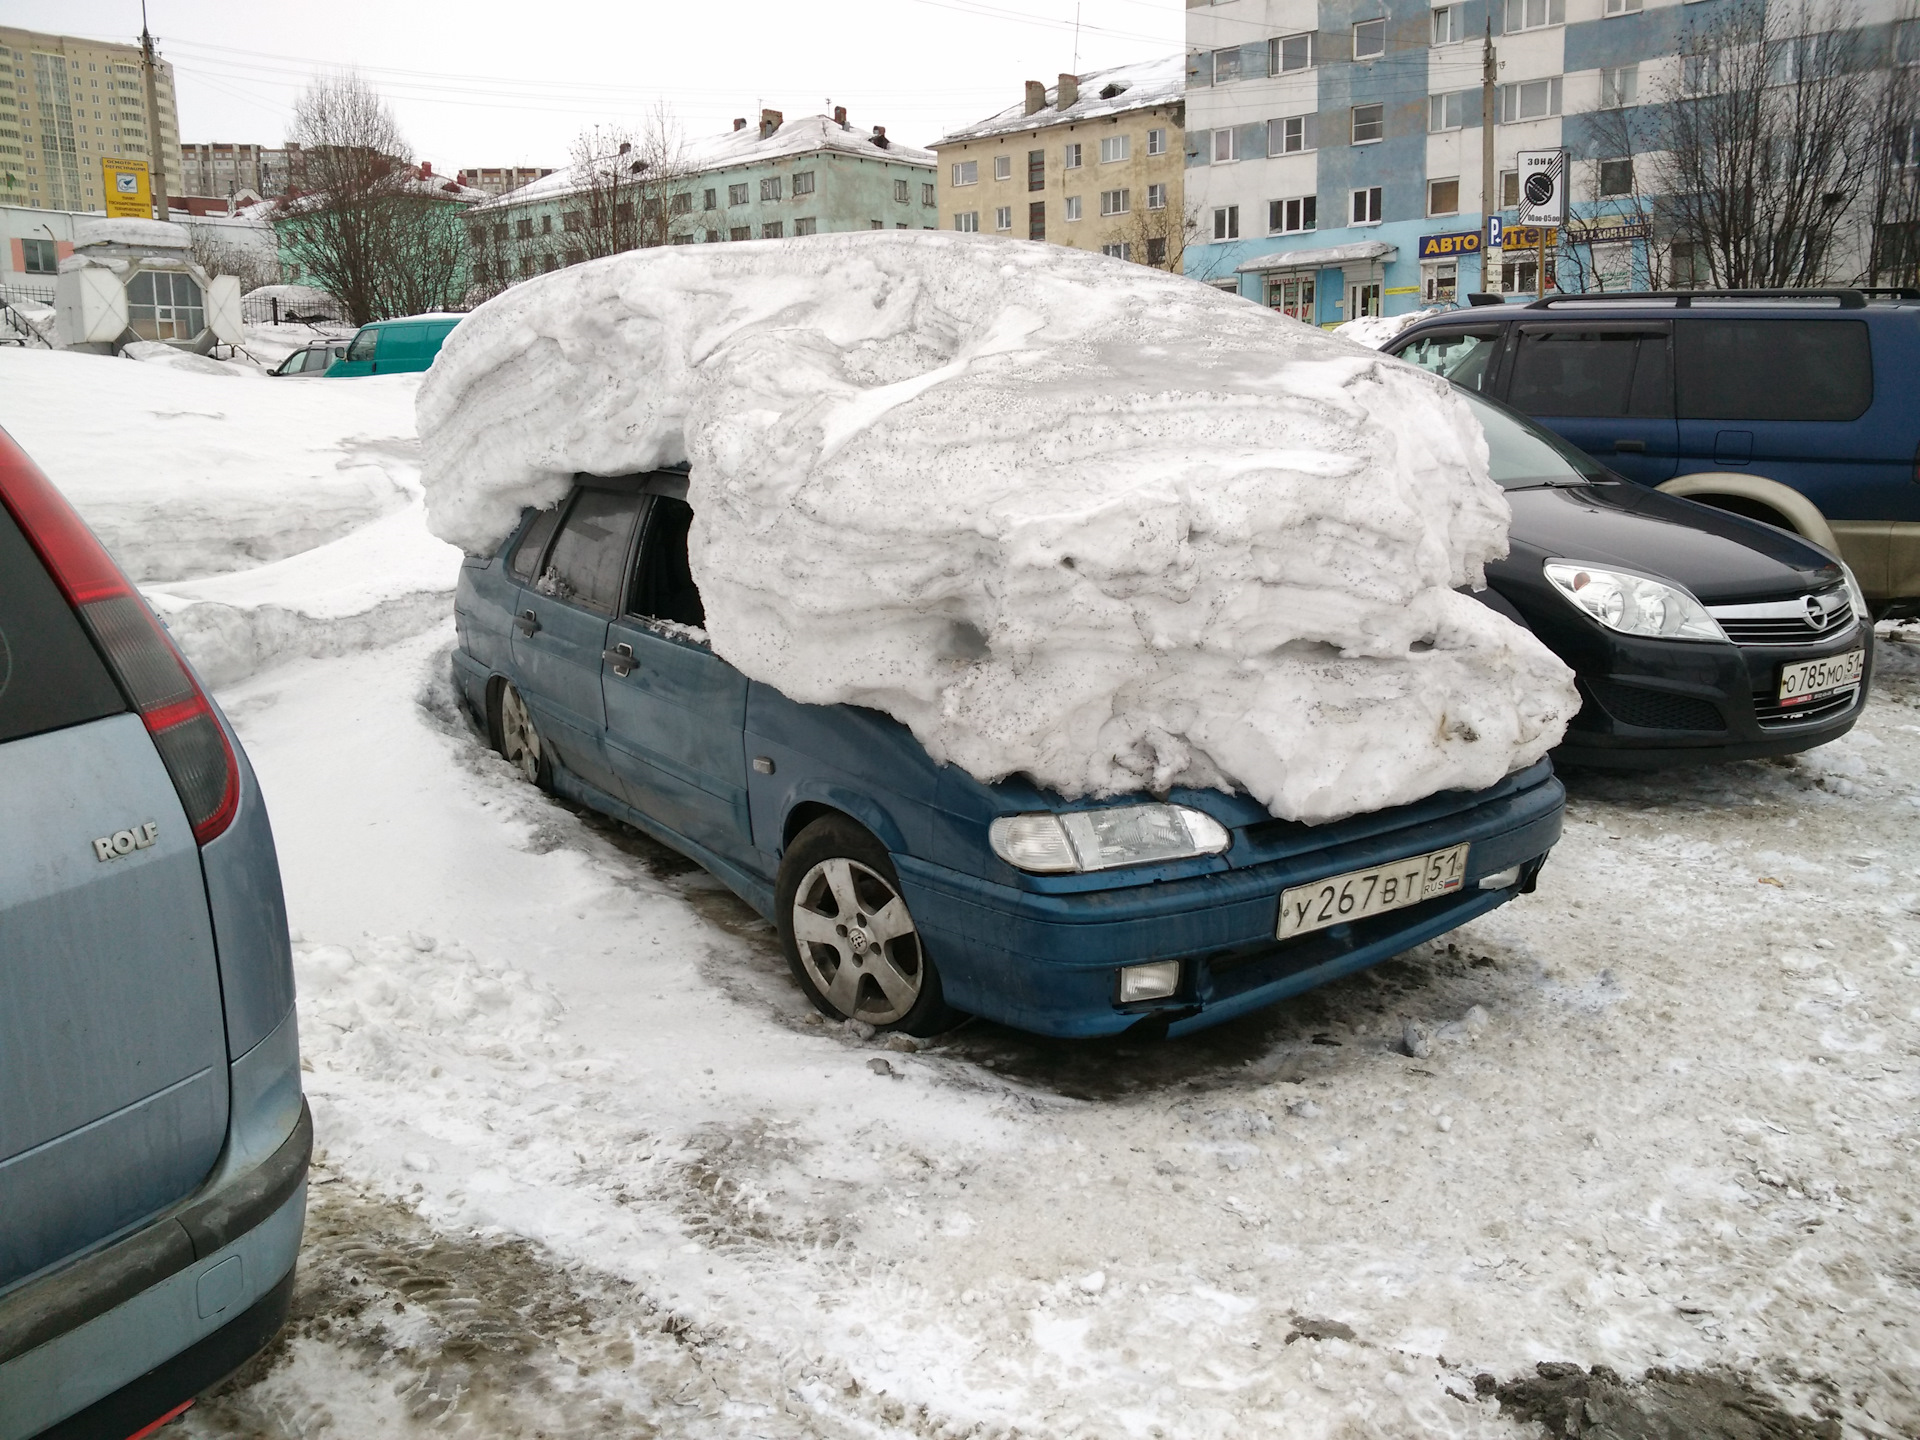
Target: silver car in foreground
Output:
{"points": [[154, 1140]]}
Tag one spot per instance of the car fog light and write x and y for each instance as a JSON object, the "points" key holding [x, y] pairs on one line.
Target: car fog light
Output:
{"points": [[1502, 880], [1149, 982]]}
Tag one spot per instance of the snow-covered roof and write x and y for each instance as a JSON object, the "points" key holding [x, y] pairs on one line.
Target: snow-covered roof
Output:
{"points": [[731, 148], [132, 233], [1135, 87], [1325, 255]]}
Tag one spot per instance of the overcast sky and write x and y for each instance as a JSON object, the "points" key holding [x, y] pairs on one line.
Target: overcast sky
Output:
{"points": [[487, 82]]}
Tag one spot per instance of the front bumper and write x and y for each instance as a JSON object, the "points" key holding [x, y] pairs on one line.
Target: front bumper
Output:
{"points": [[1049, 963]]}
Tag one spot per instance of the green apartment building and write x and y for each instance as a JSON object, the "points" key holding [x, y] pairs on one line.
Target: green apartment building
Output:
{"points": [[809, 176]]}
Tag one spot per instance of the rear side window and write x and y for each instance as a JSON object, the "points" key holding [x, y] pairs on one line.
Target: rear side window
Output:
{"points": [[526, 555], [50, 674], [1590, 373], [663, 587], [589, 557], [1773, 369], [1462, 356]]}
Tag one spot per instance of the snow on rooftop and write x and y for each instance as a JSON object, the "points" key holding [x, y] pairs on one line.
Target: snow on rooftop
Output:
{"points": [[1137, 86], [133, 234], [1057, 513], [732, 148]]}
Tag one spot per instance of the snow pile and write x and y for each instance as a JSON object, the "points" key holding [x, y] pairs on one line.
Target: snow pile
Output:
{"points": [[1060, 515], [158, 352], [1373, 331]]}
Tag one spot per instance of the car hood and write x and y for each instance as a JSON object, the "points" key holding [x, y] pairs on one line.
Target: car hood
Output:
{"points": [[1722, 558]]}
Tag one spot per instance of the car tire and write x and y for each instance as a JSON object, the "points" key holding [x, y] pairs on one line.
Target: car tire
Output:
{"points": [[849, 938], [518, 739]]}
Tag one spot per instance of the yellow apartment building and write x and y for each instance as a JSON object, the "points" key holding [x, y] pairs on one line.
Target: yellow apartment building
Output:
{"points": [[1095, 162]]}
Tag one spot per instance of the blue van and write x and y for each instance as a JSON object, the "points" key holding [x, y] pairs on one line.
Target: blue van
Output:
{"points": [[906, 892], [1797, 408], [394, 347]]}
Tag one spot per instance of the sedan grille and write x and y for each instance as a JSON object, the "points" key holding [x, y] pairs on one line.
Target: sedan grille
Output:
{"points": [[1772, 715], [1787, 622]]}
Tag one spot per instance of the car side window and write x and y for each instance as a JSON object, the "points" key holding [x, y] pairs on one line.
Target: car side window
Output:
{"points": [[663, 587], [1765, 369], [1576, 372], [525, 563], [1462, 356], [589, 557]]}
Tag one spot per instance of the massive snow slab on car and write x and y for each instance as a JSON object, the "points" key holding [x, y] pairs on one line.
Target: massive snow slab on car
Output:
{"points": [[1060, 514]]}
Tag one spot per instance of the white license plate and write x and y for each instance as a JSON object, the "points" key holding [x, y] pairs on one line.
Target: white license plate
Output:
{"points": [[1340, 899], [1811, 679]]}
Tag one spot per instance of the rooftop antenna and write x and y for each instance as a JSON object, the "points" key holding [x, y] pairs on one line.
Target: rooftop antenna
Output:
{"points": [[1076, 34]]}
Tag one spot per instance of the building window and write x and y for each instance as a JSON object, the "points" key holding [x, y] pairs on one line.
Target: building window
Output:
{"points": [[967, 222], [529, 266], [902, 192], [1116, 202], [1122, 250], [1115, 147], [1156, 142], [1226, 145], [1290, 217], [803, 184], [681, 204], [1448, 112], [550, 262], [1369, 123], [40, 257], [1520, 276], [1533, 14], [1226, 65], [576, 257], [1449, 25], [1036, 170], [1366, 206], [1619, 88], [1156, 250], [1156, 197], [1291, 295], [1529, 100], [546, 224], [736, 194], [1622, 7], [573, 220], [1509, 189], [710, 200], [965, 172], [1226, 222], [1003, 167], [523, 228], [1687, 265], [927, 198], [773, 230], [1440, 284], [881, 225], [1071, 155], [1370, 39], [1073, 207], [713, 237], [1289, 54], [807, 226], [1443, 197], [1906, 42], [1003, 218], [771, 187], [1616, 177], [1293, 135], [1699, 74], [1037, 220]]}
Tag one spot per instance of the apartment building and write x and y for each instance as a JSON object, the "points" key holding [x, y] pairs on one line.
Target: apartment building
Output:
{"points": [[68, 103], [809, 176], [1334, 146], [221, 169], [500, 179], [1094, 162]]}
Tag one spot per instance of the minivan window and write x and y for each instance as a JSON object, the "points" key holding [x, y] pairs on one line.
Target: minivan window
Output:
{"points": [[589, 558], [1764, 369], [1591, 373], [1522, 455], [1462, 356], [663, 587], [50, 674], [363, 345]]}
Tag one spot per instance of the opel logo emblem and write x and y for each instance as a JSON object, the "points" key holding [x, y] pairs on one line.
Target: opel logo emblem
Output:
{"points": [[1816, 612]]}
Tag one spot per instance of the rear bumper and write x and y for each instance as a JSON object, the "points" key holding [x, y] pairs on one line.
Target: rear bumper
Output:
{"points": [[1050, 963], [129, 1317]]}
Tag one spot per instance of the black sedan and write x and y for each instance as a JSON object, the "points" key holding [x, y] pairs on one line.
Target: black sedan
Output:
{"points": [[1696, 635]]}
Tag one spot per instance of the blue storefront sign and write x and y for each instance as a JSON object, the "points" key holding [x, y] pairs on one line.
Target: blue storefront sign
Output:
{"points": [[1441, 247]]}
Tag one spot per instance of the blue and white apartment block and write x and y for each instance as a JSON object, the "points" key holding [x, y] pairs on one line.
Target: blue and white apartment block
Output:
{"points": [[1334, 146]]}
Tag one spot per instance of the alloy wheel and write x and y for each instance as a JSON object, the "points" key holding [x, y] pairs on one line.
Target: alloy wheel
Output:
{"points": [[857, 941], [519, 741]]}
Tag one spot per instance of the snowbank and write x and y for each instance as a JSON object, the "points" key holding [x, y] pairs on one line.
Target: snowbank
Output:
{"points": [[1059, 514], [1373, 331]]}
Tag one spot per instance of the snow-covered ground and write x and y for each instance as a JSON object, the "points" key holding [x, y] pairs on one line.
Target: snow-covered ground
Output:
{"points": [[590, 1164]]}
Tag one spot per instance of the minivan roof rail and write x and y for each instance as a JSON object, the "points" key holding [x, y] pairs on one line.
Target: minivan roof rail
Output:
{"points": [[1683, 299], [1889, 292]]}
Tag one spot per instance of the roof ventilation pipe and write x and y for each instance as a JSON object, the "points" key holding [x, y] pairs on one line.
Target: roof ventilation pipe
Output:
{"points": [[880, 136], [740, 122], [1069, 93], [770, 121], [840, 117], [1036, 97]]}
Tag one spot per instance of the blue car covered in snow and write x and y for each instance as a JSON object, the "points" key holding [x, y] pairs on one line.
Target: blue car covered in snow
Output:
{"points": [[907, 893]]}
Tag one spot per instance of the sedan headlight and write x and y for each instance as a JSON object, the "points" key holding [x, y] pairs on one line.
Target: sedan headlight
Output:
{"points": [[1857, 596], [1633, 604], [1050, 844]]}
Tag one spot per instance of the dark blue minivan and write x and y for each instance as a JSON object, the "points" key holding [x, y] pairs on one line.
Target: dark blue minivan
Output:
{"points": [[907, 893]]}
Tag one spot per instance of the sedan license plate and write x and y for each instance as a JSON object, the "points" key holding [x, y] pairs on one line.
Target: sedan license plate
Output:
{"points": [[1340, 899], [1811, 679]]}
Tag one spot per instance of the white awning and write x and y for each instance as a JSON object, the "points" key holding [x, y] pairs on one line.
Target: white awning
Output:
{"points": [[1316, 259]]}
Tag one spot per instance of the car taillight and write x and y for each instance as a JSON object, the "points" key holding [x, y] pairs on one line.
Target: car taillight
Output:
{"points": [[150, 669]]}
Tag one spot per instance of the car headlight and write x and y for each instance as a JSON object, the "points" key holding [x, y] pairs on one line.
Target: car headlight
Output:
{"points": [[1857, 596], [1080, 840], [1633, 604]]}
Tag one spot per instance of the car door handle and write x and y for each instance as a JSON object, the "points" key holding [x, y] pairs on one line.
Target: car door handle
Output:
{"points": [[620, 657], [1630, 447], [527, 622]]}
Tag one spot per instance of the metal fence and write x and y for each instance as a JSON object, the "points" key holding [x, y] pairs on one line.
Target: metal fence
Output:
{"points": [[272, 310], [17, 328]]}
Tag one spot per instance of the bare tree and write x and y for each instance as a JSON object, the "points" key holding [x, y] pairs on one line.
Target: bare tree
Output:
{"points": [[382, 238], [632, 189], [1160, 237], [1763, 140], [1615, 177], [1892, 213], [252, 265]]}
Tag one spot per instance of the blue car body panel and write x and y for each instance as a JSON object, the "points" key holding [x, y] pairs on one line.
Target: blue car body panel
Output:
{"points": [[729, 770]]}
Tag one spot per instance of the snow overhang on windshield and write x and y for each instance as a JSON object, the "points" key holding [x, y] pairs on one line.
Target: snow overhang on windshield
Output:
{"points": [[1061, 515]]}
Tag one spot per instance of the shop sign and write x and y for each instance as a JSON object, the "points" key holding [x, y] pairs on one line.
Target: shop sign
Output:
{"points": [[1610, 234], [1528, 237], [1438, 247]]}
